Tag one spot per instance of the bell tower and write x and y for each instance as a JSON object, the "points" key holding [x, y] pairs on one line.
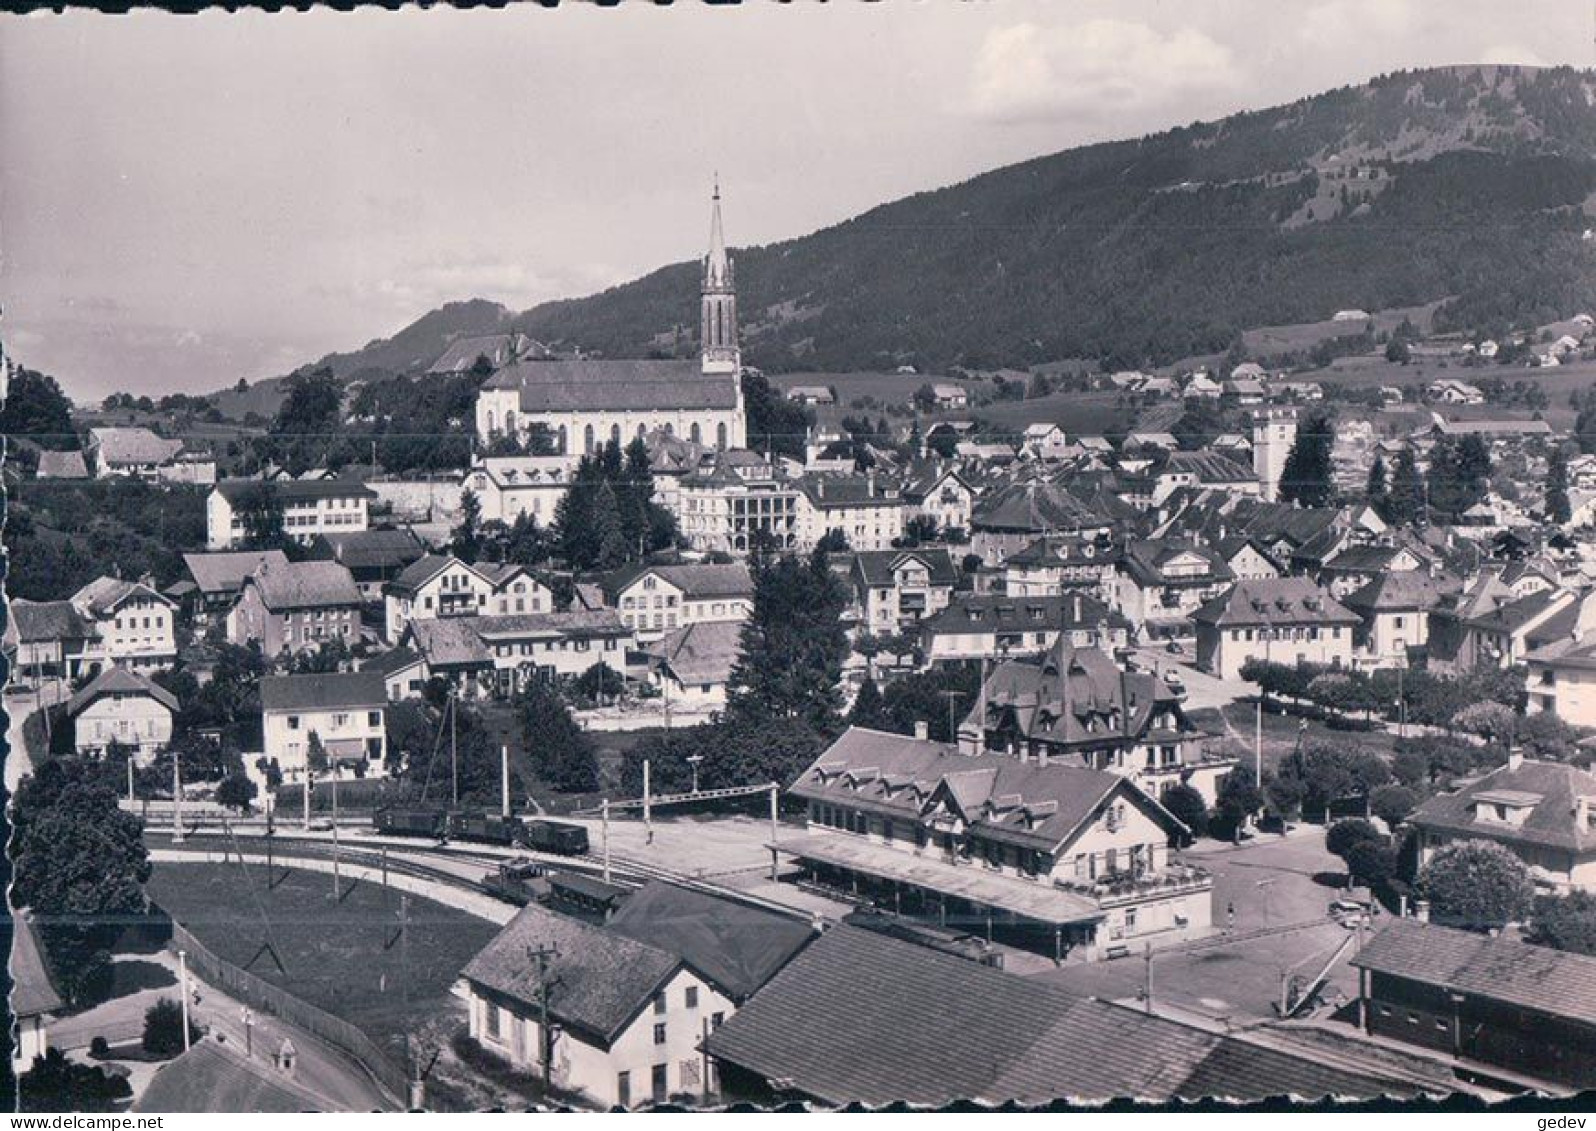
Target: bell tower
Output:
{"points": [[718, 332]]}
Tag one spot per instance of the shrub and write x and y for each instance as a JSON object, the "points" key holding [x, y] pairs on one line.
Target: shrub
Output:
{"points": [[1343, 836], [99, 1048], [1188, 806], [1476, 885], [1392, 804], [163, 1028]]}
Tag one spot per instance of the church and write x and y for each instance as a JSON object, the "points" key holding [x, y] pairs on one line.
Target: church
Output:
{"points": [[588, 402]]}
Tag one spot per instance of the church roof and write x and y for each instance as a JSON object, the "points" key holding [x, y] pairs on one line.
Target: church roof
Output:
{"points": [[615, 385]]}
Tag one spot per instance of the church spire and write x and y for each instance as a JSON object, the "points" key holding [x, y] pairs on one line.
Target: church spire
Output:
{"points": [[719, 303]]}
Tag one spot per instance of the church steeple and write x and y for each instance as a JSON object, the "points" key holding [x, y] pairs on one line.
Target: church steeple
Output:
{"points": [[719, 330]]}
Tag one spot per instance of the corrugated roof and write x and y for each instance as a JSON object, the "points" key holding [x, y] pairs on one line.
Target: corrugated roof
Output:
{"points": [[599, 979], [1553, 982], [602, 384], [362, 690], [736, 946]]}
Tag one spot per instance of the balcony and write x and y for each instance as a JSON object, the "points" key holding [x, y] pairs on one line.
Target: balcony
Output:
{"points": [[1131, 887]]}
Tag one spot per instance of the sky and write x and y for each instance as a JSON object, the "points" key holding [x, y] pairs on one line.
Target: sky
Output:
{"points": [[185, 200]]}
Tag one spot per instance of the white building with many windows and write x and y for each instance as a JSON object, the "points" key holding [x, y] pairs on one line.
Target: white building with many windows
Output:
{"points": [[655, 599], [308, 506], [345, 711]]}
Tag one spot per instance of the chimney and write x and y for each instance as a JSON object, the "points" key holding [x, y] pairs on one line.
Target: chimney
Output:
{"points": [[1421, 910], [922, 730], [1075, 605], [1581, 814], [870, 482], [1515, 757]]}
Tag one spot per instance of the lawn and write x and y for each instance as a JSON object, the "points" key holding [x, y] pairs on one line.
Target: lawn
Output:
{"points": [[1280, 733], [344, 957]]}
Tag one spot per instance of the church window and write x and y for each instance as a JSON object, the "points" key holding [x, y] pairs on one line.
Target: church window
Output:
{"points": [[697, 434], [509, 421], [615, 434], [587, 439], [720, 435]]}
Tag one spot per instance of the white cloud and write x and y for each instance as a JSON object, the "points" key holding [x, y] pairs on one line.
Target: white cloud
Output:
{"points": [[1098, 69]]}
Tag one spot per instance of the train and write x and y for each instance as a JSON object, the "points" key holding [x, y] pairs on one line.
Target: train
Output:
{"points": [[438, 823]]}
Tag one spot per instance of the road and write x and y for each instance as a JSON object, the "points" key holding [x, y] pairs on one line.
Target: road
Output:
{"points": [[1202, 690], [20, 757]]}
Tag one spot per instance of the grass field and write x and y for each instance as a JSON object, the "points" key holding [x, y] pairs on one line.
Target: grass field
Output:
{"points": [[344, 957], [1280, 733]]}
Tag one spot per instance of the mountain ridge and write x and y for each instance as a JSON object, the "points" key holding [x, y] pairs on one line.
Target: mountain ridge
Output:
{"points": [[1473, 181]]}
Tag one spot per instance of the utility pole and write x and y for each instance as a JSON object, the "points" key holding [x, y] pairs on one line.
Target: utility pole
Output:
{"points": [[648, 806], [310, 780], [693, 760], [177, 810], [130, 797], [454, 752], [504, 781], [1257, 745], [604, 834], [335, 834], [1147, 991], [773, 830], [953, 727], [182, 970], [541, 956], [404, 947]]}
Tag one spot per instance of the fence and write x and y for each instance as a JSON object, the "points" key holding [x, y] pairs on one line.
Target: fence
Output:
{"points": [[260, 994]]}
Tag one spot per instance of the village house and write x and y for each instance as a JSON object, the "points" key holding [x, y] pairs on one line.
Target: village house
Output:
{"points": [[896, 589], [46, 640], [996, 626], [1395, 610], [1044, 441], [1285, 620], [1561, 678], [444, 586], [812, 395], [133, 625], [1050, 567], [509, 486], [1160, 584], [122, 707], [653, 600], [372, 557], [1059, 858], [219, 578], [692, 665], [1011, 518], [344, 711], [946, 396], [295, 607], [938, 491], [624, 1018], [499, 655], [1358, 564], [1075, 706], [1246, 560], [136, 453], [309, 508], [868, 510], [1483, 999], [1541, 811], [496, 350]]}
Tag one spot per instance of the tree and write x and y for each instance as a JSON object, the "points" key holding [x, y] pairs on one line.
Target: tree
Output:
{"points": [[792, 646], [36, 407], [79, 864], [776, 426], [924, 698], [1397, 351], [465, 540], [1558, 507], [1404, 505], [599, 684], [315, 754], [260, 510], [55, 1083], [163, 1028], [1460, 472], [1374, 862], [561, 752], [1392, 804], [1476, 885], [1493, 722], [1341, 836], [1376, 490], [1237, 800], [1188, 807], [868, 709], [1566, 922], [1306, 478], [236, 792], [833, 541], [610, 548]]}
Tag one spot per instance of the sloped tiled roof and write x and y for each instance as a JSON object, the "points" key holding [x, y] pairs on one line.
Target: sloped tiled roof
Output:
{"points": [[600, 384], [105, 595], [1274, 601], [41, 621], [499, 349], [968, 613], [294, 490], [1503, 969], [876, 566], [1034, 506], [324, 691], [115, 446], [702, 653], [210, 1078], [305, 585], [32, 990], [697, 582], [370, 549], [1406, 589], [62, 465], [120, 681], [600, 979], [1146, 560], [225, 572], [736, 946], [1550, 822], [449, 641]]}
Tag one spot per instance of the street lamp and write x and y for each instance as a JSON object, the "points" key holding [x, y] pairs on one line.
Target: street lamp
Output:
{"points": [[693, 760]]}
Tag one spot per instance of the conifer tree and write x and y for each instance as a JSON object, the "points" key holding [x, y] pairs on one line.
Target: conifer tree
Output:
{"points": [[1405, 502], [1558, 507], [1377, 491], [1306, 478]]}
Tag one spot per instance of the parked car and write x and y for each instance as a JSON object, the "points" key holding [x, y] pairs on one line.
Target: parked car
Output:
{"points": [[1173, 681]]}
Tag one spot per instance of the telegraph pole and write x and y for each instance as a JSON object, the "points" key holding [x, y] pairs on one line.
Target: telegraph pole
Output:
{"points": [[1257, 744], [1148, 988], [504, 781], [335, 834], [648, 806], [773, 858], [182, 970], [454, 752], [604, 834], [177, 813], [541, 955]]}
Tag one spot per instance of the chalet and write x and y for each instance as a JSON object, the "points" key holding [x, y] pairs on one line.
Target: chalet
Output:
{"points": [[343, 712], [1160, 584], [437, 586], [501, 654], [896, 589], [372, 557], [1044, 441], [1358, 564], [997, 626], [1203, 386], [1541, 811], [1076, 707], [654, 600], [134, 626], [308, 508], [812, 395], [1056, 857], [1246, 559], [48, 640], [1245, 390], [495, 351], [949, 396], [1286, 620], [123, 708], [296, 607], [937, 491], [1484, 1000], [1503, 633], [219, 578]]}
